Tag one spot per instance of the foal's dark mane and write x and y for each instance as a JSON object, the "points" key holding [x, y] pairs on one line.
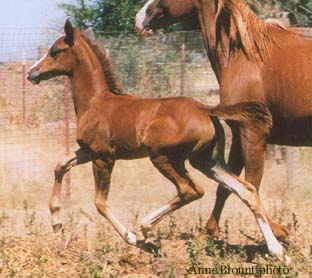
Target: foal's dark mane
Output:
{"points": [[108, 67]]}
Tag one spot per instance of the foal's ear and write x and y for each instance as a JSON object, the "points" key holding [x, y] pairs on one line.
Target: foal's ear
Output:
{"points": [[69, 32]]}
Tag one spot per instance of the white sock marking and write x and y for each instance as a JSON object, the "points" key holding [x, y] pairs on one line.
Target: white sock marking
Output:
{"points": [[147, 220]]}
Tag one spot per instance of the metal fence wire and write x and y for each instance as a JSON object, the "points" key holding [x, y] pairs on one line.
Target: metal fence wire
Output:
{"points": [[36, 125]]}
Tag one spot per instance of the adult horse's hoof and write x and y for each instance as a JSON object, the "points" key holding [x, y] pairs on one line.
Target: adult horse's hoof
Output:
{"points": [[57, 227], [281, 232]]}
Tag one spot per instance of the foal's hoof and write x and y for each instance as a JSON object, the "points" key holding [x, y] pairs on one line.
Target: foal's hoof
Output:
{"points": [[57, 227], [280, 254], [149, 246], [131, 238], [212, 228]]}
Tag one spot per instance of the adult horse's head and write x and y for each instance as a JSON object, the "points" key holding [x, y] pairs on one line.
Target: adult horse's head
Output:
{"points": [[156, 14], [58, 60]]}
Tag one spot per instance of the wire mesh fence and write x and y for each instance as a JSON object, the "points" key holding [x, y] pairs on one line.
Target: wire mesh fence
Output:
{"points": [[38, 122]]}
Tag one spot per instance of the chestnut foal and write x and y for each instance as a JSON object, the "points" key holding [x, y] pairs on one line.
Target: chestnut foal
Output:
{"points": [[112, 126]]}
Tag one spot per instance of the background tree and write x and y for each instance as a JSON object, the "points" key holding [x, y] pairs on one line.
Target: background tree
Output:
{"points": [[117, 16], [110, 16], [300, 11]]}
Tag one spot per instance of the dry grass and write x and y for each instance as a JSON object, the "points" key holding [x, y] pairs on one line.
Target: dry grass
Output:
{"points": [[89, 247]]}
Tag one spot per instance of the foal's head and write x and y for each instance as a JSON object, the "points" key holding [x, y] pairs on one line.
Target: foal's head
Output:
{"points": [[156, 14], [60, 59]]}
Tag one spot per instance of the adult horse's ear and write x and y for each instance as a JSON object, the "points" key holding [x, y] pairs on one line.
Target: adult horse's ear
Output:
{"points": [[89, 33], [69, 32]]}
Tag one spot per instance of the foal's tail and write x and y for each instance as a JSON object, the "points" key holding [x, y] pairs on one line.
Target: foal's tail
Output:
{"points": [[251, 115]]}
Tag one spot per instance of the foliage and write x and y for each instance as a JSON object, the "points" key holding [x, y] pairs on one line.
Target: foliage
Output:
{"points": [[117, 16], [300, 11]]}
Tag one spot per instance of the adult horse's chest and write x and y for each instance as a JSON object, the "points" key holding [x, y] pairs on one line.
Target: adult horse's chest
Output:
{"points": [[241, 81], [283, 88]]}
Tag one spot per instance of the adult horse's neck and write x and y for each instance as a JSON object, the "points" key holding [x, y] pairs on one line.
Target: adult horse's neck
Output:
{"points": [[207, 15], [229, 27], [91, 76]]}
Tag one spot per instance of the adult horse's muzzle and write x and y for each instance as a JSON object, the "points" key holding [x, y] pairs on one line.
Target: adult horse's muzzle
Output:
{"points": [[143, 31], [141, 23]]}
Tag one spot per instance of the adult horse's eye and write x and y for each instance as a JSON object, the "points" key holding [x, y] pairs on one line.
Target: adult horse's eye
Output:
{"points": [[149, 11]]}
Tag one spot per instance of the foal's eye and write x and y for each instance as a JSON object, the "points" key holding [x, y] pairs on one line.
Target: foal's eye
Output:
{"points": [[54, 52]]}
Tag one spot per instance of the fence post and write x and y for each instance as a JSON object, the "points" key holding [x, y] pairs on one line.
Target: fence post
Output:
{"points": [[24, 87], [182, 69], [294, 177], [67, 132]]}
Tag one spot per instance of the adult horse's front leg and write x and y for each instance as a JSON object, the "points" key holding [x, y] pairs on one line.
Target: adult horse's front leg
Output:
{"points": [[70, 161], [254, 157], [102, 169]]}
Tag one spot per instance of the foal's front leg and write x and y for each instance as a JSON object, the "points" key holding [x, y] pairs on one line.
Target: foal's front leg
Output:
{"points": [[80, 157], [102, 169], [188, 190]]}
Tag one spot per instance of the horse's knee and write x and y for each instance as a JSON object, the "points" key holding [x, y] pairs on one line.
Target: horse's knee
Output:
{"points": [[251, 196]]}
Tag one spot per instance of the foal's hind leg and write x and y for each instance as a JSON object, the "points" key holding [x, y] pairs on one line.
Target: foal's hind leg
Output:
{"points": [[188, 190], [80, 157], [236, 164]]}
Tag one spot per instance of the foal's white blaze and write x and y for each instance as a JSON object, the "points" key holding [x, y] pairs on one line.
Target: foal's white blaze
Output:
{"points": [[141, 16], [39, 61]]}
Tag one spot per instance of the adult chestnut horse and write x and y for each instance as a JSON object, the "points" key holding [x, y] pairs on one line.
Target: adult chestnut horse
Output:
{"points": [[252, 60], [112, 126]]}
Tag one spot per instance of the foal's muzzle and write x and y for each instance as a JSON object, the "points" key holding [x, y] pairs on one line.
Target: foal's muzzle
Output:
{"points": [[34, 76]]}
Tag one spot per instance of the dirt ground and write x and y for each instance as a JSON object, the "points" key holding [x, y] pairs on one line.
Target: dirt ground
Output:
{"points": [[89, 247]]}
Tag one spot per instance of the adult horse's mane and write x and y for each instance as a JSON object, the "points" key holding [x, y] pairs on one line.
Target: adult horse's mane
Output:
{"points": [[247, 30], [108, 67]]}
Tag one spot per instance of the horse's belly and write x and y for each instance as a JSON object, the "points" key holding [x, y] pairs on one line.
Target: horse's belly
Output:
{"points": [[127, 153], [291, 132]]}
